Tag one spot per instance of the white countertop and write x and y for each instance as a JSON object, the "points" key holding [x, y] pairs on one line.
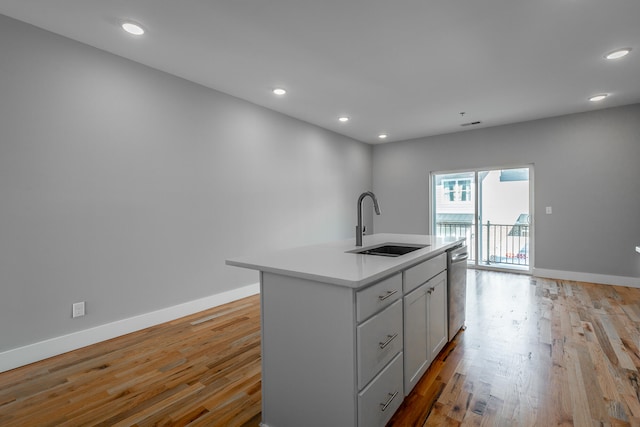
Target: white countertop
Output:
{"points": [[332, 263]]}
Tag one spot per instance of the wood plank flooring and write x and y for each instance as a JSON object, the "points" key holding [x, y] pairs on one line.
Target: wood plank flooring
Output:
{"points": [[201, 370], [536, 352]]}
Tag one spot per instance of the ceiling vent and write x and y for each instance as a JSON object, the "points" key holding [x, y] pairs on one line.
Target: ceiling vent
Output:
{"points": [[471, 123]]}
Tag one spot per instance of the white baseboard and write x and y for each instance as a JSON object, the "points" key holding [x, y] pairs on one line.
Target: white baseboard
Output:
{"points": [[52, 347], [632, 282]]}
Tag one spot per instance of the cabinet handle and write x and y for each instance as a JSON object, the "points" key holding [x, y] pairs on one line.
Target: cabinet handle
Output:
{"points": [[431, 290], [383, 406], [387, 295], [460, 257], [389, 339]]}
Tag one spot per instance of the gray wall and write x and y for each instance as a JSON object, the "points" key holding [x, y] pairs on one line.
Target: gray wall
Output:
{"points": [[587, 167], [127, 188]]}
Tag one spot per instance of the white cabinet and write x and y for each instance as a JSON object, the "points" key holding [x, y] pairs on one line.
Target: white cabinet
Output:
{"points": [[437, 314], [376, 297], [380, 399], [416, 354], [339, 356], [425, 318], [331, 355], [379, 340], [418, 274]]}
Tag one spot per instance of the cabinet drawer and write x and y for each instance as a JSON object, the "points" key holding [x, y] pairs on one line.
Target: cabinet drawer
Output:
{"points": [[374, 298], [416, 276], [378, 402], [379, 339]]}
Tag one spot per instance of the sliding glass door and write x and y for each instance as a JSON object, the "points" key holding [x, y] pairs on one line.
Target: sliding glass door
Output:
{"points": [[491, 208]]}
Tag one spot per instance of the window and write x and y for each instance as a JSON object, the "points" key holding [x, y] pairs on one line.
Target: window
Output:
{"points": [[457, 190]]}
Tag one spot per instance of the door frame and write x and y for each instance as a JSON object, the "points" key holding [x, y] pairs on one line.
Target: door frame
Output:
{"points": [[477, 264]]}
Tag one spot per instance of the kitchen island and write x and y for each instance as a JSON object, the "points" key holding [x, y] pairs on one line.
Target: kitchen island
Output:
{"points": [[345, 336]]}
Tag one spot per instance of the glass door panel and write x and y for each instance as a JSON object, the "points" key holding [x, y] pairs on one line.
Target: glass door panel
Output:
{"points": [[504, 217], [454, 196]]}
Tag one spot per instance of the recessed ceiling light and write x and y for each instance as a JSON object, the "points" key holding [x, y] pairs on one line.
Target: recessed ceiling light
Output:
{"points": [[383, 136], [279, 91], [343, 119], [599, 97], [133, 28], [619, 53]]}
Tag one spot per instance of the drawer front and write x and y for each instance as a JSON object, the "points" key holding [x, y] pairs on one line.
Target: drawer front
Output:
{"points": [[374, 298], [416, 276], [378, 402], [379, 339]]}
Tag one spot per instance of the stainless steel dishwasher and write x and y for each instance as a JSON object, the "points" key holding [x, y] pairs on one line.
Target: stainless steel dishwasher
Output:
{"points": [[456, 287]]}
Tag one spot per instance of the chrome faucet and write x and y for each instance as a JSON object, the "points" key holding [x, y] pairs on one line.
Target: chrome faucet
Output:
{"points": [[359, 229]]}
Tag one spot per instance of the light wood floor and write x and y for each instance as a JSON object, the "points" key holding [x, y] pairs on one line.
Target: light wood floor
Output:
{"points": [[202, 370], [536, 352]]}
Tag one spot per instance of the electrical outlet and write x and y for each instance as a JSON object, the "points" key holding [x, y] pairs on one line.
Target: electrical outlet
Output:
{"points": [[78, 309], [549, 210]]}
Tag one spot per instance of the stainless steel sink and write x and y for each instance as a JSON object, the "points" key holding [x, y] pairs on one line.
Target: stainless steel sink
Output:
{"points": [[389, 250]]}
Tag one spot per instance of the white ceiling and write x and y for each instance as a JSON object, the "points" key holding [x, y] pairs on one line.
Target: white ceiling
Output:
{"points": [[404, 67]]}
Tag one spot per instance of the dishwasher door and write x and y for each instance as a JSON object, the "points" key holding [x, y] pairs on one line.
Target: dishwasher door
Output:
{"points": [[456, 288]]}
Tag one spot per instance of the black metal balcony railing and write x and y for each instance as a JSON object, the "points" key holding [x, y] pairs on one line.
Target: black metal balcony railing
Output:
{"points": [[499, 243]]}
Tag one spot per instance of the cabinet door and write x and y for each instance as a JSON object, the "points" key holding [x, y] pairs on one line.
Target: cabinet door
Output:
{"points": [[416, 352], [437, 314]]}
